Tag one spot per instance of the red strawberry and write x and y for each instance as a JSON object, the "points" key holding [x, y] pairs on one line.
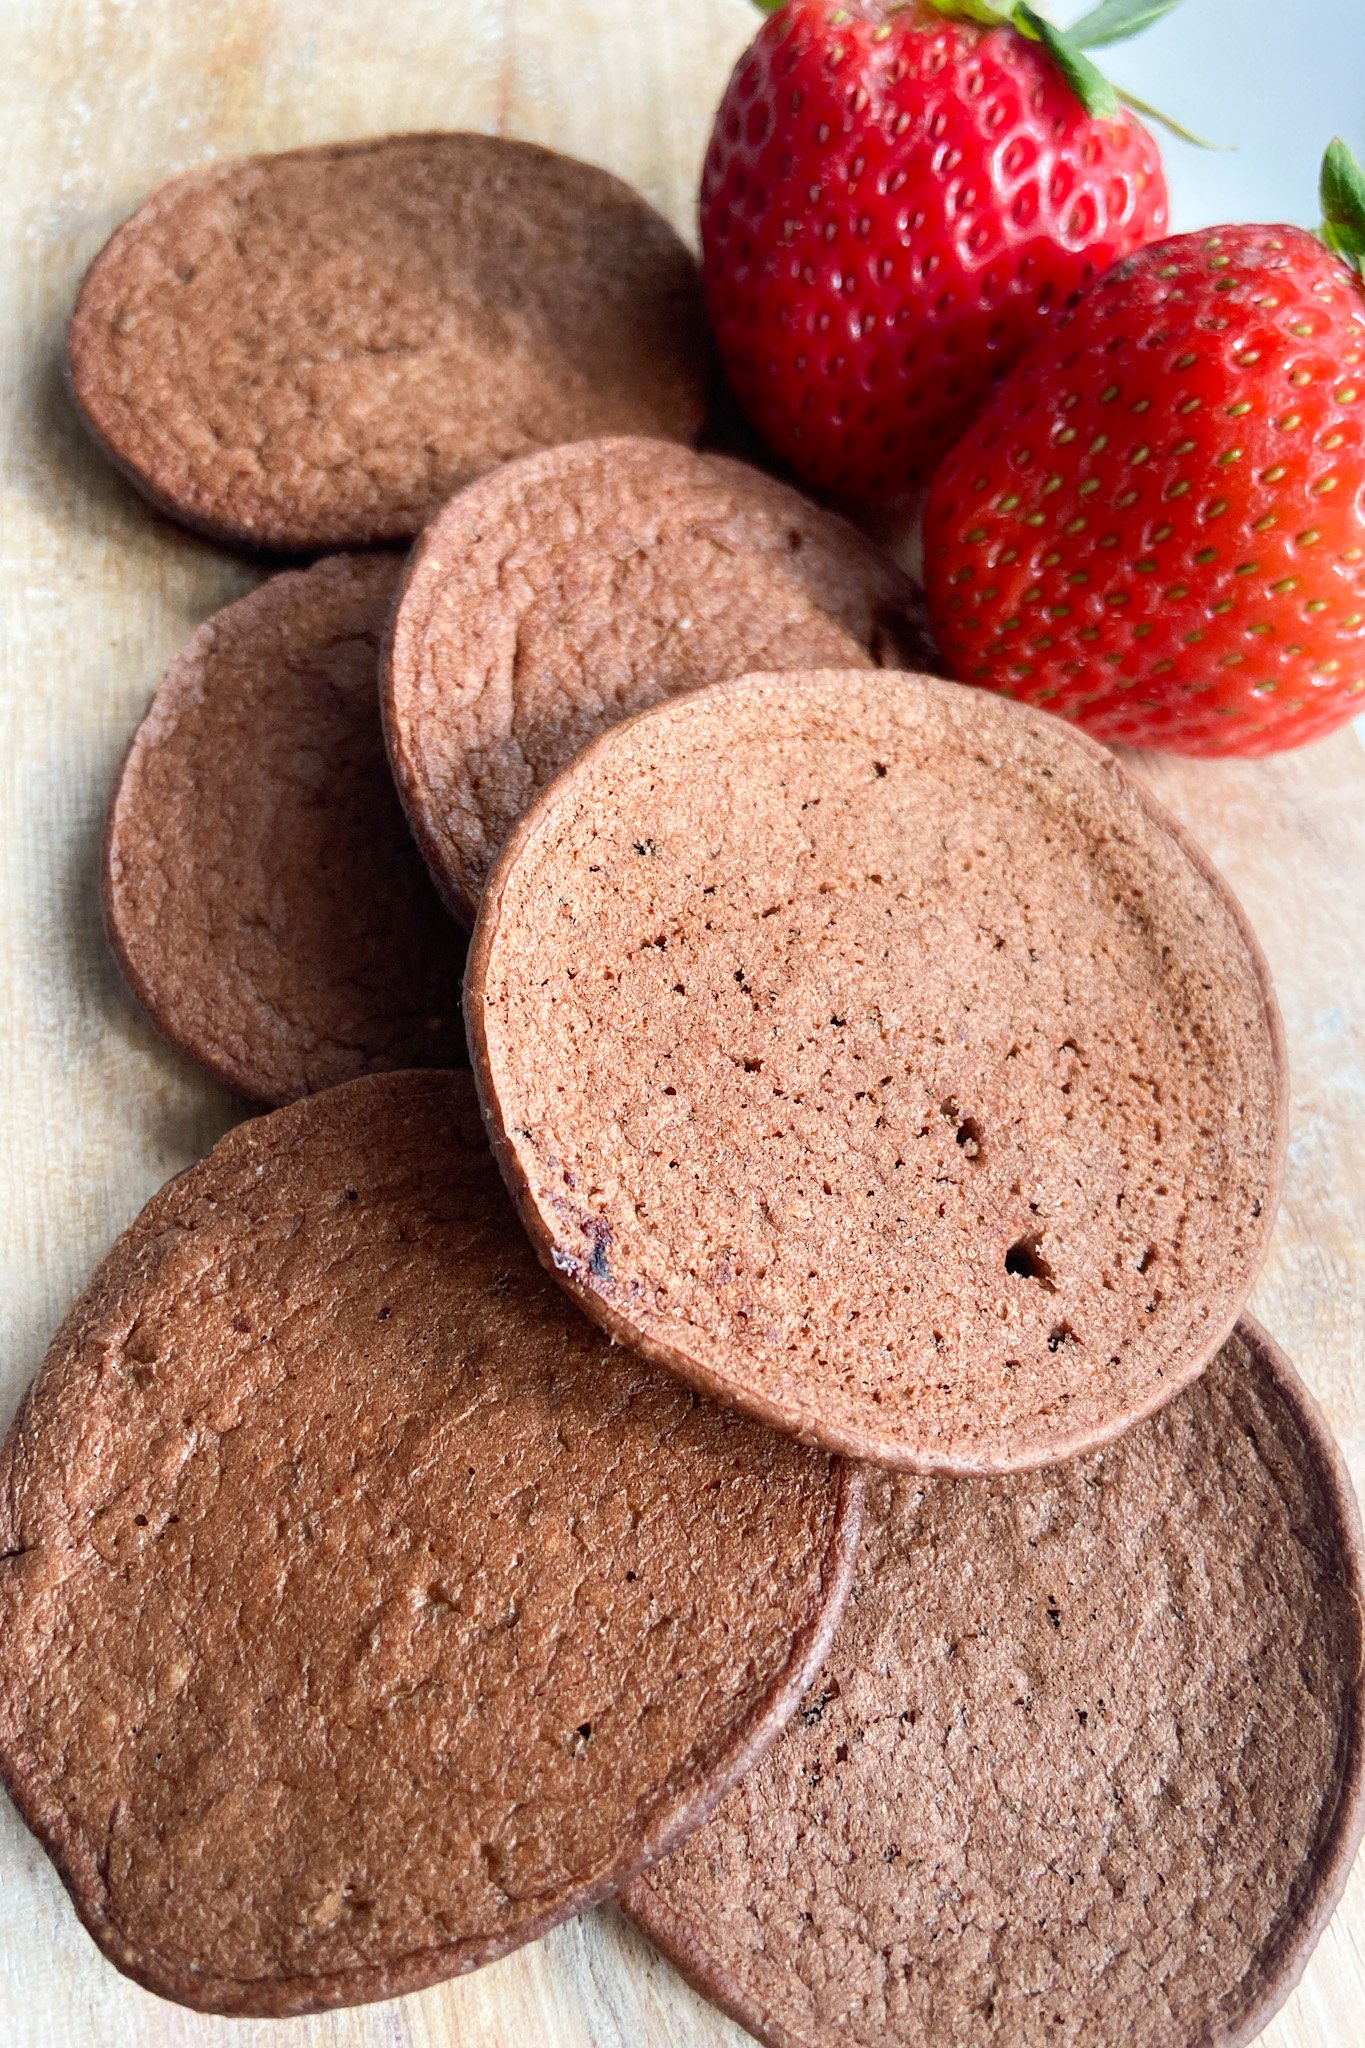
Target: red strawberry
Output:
{"points": [[895, 201], [1157, 527]]}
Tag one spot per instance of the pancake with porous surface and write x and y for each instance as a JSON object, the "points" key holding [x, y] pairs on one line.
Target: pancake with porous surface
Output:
{"points": [[314, 349], [1083, 1765], [567, 590], [365, 1612], [878, 1056], [261, 889]]}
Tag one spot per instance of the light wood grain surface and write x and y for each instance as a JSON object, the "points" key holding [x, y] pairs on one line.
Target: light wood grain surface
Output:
{"points": [[102, 99]]}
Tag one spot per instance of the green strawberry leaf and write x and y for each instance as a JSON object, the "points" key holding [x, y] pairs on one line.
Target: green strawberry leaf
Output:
{"points": [[1108, 22], [1086, 80], [990, 13], [1113, 21], [1343, 203]]}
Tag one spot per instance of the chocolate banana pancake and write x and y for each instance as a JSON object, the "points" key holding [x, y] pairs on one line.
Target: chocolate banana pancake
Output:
{"points": [[261, 889], [878, 1056], [313, 349], [364, 1611], [1083, 1765], [564, 591]]}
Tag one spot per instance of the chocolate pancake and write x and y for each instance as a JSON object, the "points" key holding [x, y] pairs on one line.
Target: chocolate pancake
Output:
{"points": [[1083, 1766], [314, 349], [365, 1612], [879, 1057], [261, 890], [564, 591]]}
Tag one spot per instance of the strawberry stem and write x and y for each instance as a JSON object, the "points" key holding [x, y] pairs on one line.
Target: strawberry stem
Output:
{"points": [[1169, 122]]}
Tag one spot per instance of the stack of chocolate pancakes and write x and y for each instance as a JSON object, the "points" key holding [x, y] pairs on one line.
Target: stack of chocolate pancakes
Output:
{"points": [[778, 1441]]}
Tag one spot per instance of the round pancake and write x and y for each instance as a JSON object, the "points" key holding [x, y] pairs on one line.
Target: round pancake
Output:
{"points": [[314, 349], [365, 1612], [566, 590], [1083, 1765], [879, 1057], [261, 889]]}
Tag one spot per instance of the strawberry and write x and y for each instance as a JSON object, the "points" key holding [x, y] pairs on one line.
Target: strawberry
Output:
{"points": [[1157, 526], [896, 200]]}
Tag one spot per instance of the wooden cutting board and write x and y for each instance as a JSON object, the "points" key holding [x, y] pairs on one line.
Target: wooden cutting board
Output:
{"points": [[105, 98]]}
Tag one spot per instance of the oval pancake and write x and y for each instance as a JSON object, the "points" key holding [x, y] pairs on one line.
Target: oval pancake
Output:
{"points": [[314, 349], [365, 1612], [879, 1057], [262, 893], [1084, 1764], [567, 590]]}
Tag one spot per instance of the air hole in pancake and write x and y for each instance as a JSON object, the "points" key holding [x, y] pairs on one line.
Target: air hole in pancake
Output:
{"points": [[966, 1128], [1026, 1262]]}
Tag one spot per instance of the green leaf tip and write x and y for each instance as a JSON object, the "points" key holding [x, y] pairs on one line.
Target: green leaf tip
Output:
{"points": [[1343, 203], [1113, 21]]}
